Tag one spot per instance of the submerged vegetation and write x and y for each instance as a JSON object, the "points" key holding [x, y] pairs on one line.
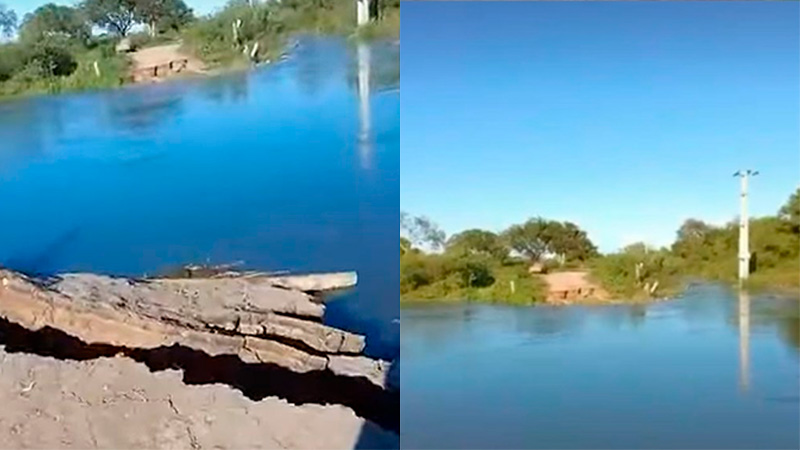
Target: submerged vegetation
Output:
{"points": [[482, 265], [53, 48]]}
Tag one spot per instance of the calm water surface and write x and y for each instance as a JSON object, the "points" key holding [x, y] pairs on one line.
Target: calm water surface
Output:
{"points": [[281, 168], [709, 370]]}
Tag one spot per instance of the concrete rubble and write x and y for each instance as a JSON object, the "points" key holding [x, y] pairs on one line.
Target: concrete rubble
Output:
{"points": [[260, 334]]}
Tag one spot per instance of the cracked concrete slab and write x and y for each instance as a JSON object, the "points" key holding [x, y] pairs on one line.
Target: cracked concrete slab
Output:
{"points": [[118, 403]]}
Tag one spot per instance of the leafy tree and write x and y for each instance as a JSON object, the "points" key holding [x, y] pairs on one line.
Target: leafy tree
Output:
{"points": [[421, 230], [52, 21], [380, 6], [413, 273], [8, 21], [473, 271], [117, 16], [162, 14], [693, 229], [530, 239], [12, 59], [405, 246], [568, 241], [538, 237], [639, 249], [771, 243], [178, 15], [50, 58], [477, 241], [790, 212], [693, 236]]}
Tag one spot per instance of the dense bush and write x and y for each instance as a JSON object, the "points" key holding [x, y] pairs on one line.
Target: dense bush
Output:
{"points": [[710, 252], [618, 272], [482, 265], [12, 60], [472, 271], [49, 59], [212, 37], [268, 23]]}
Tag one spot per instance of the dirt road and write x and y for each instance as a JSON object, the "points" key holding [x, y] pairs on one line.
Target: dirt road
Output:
{"points": [[573, 286], [162, 55]]}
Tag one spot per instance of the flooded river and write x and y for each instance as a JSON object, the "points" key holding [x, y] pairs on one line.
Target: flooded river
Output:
{"points": [[709, 370], [293, 166]]}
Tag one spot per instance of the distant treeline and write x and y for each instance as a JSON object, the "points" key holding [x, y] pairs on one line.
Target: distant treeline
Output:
{"points": [[54, 47], [483, 265], [479, 264]]}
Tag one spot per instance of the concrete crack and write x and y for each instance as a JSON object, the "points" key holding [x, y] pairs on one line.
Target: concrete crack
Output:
{"points": [[192, 438]]}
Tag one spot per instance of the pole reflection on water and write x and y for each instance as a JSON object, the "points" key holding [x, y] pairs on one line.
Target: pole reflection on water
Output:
{"points": [[744, 339], [622, 376], [364, 138]]}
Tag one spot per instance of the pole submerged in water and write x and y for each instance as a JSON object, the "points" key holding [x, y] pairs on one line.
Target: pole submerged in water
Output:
{"points": [[364, 114], [744, 339], [744, 225]]}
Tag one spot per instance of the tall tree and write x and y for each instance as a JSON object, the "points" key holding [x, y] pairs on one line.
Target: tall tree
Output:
{"points": [[529, 239], [479, 242], [569, 242], [790, 212], [421, 231], [52, 21], [117, 16], [162, 14], [8, 21], [692, 238]]}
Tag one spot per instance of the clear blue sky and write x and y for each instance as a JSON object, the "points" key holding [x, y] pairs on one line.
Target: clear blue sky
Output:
{"points": [[22, 7], [626, 118]]}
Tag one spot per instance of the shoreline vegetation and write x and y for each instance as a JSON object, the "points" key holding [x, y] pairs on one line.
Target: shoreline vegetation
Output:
{"points": [[513, 266], [53, 49]]}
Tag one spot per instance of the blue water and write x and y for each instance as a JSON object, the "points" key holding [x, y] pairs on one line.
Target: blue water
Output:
{"points": [[266, 167], [680, 374]]}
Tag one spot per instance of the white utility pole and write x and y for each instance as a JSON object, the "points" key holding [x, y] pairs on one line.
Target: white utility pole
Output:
{"points": [[744, 226], [362, 12]]}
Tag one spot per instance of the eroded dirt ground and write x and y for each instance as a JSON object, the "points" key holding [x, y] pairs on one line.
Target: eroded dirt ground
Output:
{"points": [[90, 361], [573, 287], [115, 402]]}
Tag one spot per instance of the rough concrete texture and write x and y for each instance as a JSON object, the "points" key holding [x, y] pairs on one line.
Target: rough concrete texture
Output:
{"points": [[243, 316], [118, 403]]}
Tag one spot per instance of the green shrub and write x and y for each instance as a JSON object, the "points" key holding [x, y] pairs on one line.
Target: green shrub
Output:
{"points": [[617, 272], [50, 59], [472, 271], [12, 60]]}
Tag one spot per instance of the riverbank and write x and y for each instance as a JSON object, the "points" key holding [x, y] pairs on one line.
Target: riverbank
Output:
{"points": [[237, 37], [606, 280], [451, 281], [569, 287], [576, 288], [487, 266]]}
